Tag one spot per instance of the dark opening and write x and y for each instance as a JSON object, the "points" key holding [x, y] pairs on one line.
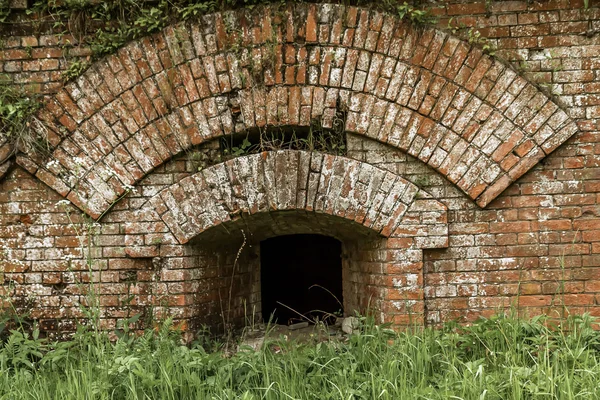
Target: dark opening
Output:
{"points": [[291, 266], [312, 138]]}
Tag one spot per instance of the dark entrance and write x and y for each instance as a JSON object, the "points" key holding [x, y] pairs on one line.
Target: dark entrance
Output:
{"points": [[295, 271]]}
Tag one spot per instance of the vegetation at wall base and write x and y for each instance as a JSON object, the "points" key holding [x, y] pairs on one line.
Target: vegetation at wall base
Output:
{"points": [[503, 357]]}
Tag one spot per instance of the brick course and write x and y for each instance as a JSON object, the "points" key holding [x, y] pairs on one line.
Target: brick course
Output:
{"points": [[517, 170]]}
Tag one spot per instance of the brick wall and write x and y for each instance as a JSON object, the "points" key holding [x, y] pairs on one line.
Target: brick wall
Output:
{"points": [[533, 247], [528, 236]]}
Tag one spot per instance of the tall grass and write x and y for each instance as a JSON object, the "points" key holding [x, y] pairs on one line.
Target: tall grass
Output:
{"points": [[498, 358]]}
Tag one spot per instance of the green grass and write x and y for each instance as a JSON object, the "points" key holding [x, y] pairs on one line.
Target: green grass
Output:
{"points": [[498, 358]]}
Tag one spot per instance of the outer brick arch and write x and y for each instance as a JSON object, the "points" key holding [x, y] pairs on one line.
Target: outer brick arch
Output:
{"points": [[384, 203], [465, 114]]}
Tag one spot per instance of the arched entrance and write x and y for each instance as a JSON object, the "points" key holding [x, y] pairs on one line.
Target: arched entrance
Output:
{"points": [[215, 220], [268, 262]]}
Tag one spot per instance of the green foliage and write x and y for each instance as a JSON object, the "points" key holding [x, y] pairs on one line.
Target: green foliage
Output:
{"points": [[108, 41], [118, 31], [16, 312], [409, 12], [192, 9], [75, 69], [473, 36], [22, 351], [16, 112], [105, 26], [150, 20], [15, 107], [235, 151], [503, 357], [4, 10]]}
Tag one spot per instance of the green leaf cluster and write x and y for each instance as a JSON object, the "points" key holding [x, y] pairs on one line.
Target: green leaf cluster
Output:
{"points": [[16, 110]]}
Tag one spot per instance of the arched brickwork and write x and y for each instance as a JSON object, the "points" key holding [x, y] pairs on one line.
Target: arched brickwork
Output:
{"points": [[535, 247], [419, 89], [383, 221], [280, 181]]}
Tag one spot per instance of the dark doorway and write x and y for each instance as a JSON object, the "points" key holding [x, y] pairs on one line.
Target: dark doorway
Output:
{"points": [[291, 266]]}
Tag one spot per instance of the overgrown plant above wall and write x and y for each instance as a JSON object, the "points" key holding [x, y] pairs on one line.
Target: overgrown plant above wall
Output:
{"points": [[107, 25]]}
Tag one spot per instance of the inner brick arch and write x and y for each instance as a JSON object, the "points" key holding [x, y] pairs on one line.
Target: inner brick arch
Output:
{"points": [[281, 181], [383, 221], [465, 114]]}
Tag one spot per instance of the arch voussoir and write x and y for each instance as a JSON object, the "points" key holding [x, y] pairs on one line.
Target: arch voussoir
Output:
{"points": [[470, 117], [285, 181]]}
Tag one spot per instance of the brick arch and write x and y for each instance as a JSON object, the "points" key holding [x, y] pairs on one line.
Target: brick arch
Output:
{"points": [[194, 226], [460, 111], [289, 180]]}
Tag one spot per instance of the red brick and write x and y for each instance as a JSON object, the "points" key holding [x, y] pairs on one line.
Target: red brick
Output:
{"points": [[543, 210]]}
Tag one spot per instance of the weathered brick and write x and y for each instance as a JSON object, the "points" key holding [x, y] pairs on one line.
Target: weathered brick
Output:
{"points": [[154, 88]]}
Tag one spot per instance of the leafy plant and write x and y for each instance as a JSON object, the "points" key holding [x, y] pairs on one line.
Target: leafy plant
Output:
{"points": [[409, 12], [75, 69], [149, 20], [240, 150], [192, 9], [473, 36], [4, 10], [16, 116]]}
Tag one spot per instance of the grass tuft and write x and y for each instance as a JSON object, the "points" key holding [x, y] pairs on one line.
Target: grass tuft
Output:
{"points": [[503, 357]]}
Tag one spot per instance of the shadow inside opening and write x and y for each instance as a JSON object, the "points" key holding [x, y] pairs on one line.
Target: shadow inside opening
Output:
{"points": [[301, 275]]}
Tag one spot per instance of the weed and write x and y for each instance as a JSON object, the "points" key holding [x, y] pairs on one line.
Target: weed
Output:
{"points": [[75, 69], [16, 119], [473, 36], [409, 12], [196, 9]]}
